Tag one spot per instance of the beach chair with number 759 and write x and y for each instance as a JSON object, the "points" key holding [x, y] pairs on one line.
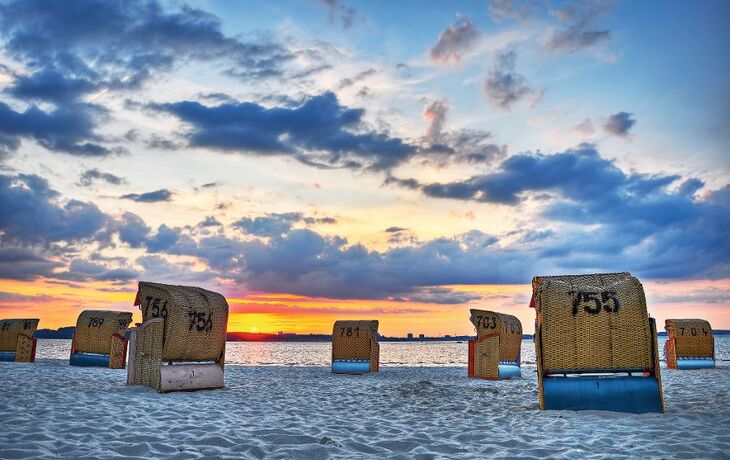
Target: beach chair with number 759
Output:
{"points": [[355, 348], [181, 343], [595, 344]]}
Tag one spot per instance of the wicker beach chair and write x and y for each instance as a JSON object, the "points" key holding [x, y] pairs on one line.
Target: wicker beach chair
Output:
{"points": [[355, 348], [16, 340], [690, 344], [595, 344], [495, 353], [181, 343], [99, 339]]}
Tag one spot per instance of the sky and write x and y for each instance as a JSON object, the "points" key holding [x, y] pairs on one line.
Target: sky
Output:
{"points": [[403, 161]]}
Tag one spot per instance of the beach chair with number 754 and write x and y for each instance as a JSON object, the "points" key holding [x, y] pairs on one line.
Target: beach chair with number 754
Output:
{"points": [[181, 343], [595, 344], [355, 348], [16, 340]]}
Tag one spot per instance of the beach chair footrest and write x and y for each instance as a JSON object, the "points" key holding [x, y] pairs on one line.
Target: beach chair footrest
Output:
{"points": [[509, 371], [695, 363], [341, 366], [7, 356], [622, 394], [186, 377], [89, 360]]}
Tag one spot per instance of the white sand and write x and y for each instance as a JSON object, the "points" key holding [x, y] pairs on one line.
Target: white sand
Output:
{"points": [[51, 410]]}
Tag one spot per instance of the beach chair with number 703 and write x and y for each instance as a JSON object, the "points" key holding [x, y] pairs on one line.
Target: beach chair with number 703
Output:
{"points": [[181, 343], [595, 344], [495, 352]]}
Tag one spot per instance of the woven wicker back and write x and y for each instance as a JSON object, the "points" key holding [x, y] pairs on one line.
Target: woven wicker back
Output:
{"points": [[693, 337], [509, 328], [195, 319], [353, 339], [592, 322], [94, 330], [10, 328]]}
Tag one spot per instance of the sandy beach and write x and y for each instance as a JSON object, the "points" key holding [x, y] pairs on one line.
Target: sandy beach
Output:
{"points": [[50, 410]]}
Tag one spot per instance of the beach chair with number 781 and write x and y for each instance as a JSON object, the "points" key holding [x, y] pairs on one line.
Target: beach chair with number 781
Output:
{"points": [[16, 340], [355, 348]]}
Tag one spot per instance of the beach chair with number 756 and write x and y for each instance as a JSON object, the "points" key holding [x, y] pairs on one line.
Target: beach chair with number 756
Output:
{"points": [[595, 344], [355, 348], [181, 343]]}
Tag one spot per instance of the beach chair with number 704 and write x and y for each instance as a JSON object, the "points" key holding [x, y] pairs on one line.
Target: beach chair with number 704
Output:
{"points": [[689, 345]]}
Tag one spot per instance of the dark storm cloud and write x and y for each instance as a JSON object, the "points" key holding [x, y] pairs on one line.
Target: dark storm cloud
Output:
{"points": [[90, 176], [619, 124], [454, 42], [277, 224], [505, 87], [578, 30], [23, 264], [318, 132], [149, 197]]}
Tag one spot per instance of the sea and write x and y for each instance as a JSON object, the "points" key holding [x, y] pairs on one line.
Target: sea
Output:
{"points": [[446, 354]]}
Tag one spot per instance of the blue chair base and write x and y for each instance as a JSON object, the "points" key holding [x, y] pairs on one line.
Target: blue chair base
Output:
{"points": [[89, 360], [350, 366], [695, 363], [7, 356], [509, 371], [619, 394]]}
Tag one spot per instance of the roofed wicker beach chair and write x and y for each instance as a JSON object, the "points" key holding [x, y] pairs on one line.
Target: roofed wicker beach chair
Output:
{"points": [[181, 343], [495, 353], [355, 348], [595, 344], [16, 340], [99, 339], [690, 344]]}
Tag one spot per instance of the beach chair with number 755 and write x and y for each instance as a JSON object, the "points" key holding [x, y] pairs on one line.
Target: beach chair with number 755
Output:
{"points": [[595, 344], [355, 348], [181, 343]]}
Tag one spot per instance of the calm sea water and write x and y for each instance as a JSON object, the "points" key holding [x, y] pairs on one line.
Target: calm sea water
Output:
{"points": [[319, 353]]}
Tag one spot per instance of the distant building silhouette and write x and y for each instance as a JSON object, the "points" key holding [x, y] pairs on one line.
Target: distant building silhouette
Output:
{"points": [[410, 336], [421, 336]]}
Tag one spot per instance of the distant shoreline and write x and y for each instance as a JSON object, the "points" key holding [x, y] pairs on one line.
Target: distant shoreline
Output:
{"points": [[67, 333]]}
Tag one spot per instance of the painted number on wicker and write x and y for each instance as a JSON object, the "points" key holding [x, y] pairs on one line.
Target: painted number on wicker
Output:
{"points": [[692, 331], [487, 322], [594, 302], [349, 331], [154, 308], [199, 321], [95, 322], [5, 326]]}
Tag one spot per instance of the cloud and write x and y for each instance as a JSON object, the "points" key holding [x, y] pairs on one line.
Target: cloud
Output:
{"points": [[454, 42], [505, 87], [339, 12], [23, 264], [319, 132], [619, 124], [395, 229], [68, 129], [84, 270], [209, 221], [466, 145], [277, 224], [132, 230], [585, 127], [435, 113], [149, 197], [518, 10], [32, 213], [89, 176], [347, 82], [578, 31]]}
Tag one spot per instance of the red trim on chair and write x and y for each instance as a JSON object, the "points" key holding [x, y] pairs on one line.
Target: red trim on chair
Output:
{"points": [[137, 300], [126, 344], [470, 371]]}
